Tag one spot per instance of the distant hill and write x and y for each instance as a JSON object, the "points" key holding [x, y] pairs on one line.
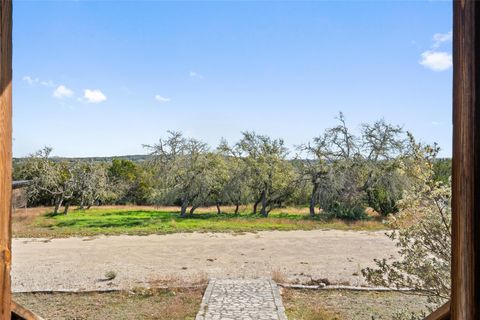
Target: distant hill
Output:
{"points": [[134, 158], [143, 157]]}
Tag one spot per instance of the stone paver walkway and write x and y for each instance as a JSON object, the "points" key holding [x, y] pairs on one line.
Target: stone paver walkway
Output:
{"points": [[241, 299]]}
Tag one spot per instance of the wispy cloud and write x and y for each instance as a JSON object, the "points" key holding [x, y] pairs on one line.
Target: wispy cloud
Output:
{"points": [[61, 92], [440, 38], [436, 123], [31, 81], [159, 98], [35, 81], [195, 75], [48, 83], [435, 59], [94, 96]]}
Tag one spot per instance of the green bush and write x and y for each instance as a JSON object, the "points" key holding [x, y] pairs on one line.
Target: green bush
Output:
{"points": [[339, 210], [382, 200]]}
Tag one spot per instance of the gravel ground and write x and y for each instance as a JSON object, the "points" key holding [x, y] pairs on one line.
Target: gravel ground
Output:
{"points": [[80, 264]]}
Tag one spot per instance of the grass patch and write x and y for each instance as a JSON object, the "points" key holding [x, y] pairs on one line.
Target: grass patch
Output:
{"points": [[169, 304], [149, 220], [346, 305], [176, 304]]}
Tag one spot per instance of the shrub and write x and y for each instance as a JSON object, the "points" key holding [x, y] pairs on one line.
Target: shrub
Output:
{"points": [[422, 230], [382, 200], [340, 210], [110, 275]]}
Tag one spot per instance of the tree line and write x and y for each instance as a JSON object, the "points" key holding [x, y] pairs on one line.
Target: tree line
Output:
{"points": [[339, 173]]}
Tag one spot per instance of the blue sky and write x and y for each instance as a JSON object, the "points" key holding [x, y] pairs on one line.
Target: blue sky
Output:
{"points": [[103, 78]]}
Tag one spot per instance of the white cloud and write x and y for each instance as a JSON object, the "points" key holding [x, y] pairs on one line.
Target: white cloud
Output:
{"points": [[31, 81], [94, 96], [195, 75], [436, 60], [48, 83], [439, 38], [436, 123], [34, 81], [61, 92], [159, 98]]}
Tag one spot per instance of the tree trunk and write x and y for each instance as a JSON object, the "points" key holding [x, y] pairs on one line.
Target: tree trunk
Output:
{"points": [[236, 208], [58, 204], [255, 205], [192, 209], [82, 204], [219, 211], [183, 211], [67, 206], [263, 211], [313, 200]]}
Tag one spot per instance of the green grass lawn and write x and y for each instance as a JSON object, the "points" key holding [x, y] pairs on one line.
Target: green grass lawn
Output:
{"points": [[136, 221]]}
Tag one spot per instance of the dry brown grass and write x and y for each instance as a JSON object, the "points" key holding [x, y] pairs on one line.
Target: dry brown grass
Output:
{"points": [[225, 209], [279, 276], [23, 218], [168, 304], [372, 213], [174, 280], [317, 312], [346, 305]]}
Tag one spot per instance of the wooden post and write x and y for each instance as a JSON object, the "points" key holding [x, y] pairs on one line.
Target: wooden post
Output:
{"points": [[442, 313], [5, 155], [465, 301]]}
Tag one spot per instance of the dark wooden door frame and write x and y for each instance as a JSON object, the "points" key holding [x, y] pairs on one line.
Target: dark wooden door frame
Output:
{"points": [[465, 297]]}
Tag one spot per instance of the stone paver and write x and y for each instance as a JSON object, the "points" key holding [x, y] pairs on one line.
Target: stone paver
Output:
{"points": [[241, 299]]}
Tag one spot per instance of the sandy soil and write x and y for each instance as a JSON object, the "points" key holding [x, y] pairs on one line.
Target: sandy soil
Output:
{"points": [[81, 263]]}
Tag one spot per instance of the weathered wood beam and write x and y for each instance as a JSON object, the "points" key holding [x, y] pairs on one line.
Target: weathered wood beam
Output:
{"points": [[21, 313], [442, 313], [21, 184], [465, 302], [5, 155]]}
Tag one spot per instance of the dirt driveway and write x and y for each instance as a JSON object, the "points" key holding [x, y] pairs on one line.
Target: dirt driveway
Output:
{"points": [[81, 263]]}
